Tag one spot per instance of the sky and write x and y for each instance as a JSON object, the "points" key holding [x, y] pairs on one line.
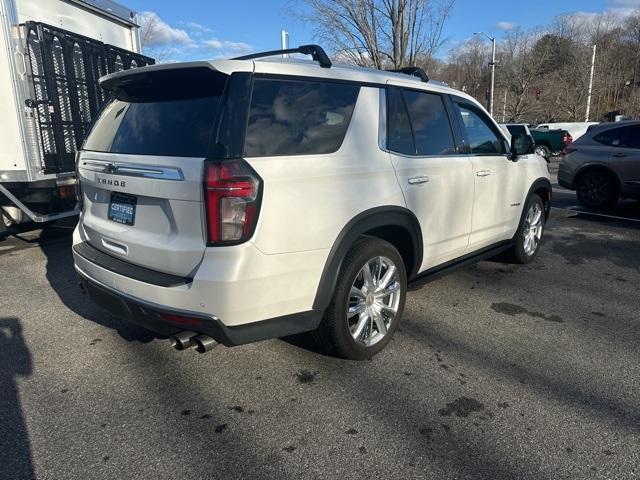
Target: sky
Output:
{"points": [[200, 29]]}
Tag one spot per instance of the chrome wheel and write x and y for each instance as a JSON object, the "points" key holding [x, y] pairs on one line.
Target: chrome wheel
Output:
{"points": [[373, 301], [532, 231], [542, 151]]}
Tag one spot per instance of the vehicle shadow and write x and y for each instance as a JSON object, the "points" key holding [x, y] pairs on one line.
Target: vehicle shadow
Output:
{"points": [[63, 279], [15, 358]]}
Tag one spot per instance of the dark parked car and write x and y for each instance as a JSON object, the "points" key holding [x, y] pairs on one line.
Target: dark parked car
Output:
{"points": [[603, 165], [548, 142]]}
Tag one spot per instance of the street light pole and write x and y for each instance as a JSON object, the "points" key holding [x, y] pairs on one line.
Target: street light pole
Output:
{"points": [[493, 69], [493, 75], [284, 41], [593, 64]]}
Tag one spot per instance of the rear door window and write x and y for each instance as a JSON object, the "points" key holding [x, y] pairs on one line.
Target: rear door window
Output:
{"points": [[631, 137], [294, 117], [430, 122], [611, 138]]}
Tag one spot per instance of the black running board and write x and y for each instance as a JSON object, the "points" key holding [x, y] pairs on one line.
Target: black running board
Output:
{"points": [[475, 257]]}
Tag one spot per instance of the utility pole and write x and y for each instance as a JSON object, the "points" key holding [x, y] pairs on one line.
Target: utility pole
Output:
{"points": [[493, 75], [593, 64], [504, 106], [284, 41], [493, 69]]}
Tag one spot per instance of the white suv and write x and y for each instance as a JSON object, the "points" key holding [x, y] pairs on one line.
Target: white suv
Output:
{"points": [[238, 200]]}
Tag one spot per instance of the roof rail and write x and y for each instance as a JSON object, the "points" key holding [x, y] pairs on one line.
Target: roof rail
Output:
{"points": [[414, 71], [316, 52]]}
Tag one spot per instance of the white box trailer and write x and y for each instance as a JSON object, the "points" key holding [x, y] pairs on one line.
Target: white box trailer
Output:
{"points": [[52, 53]]}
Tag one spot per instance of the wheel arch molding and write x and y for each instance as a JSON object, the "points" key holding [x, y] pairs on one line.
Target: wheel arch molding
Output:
{"points": [[397, 225], [596, 167], [537, 185]]}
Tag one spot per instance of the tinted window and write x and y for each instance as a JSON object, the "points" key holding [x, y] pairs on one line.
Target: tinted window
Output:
{"points": [[517, 129], [430, 122], [631, 137], [289, 117], [167, 112], [176, 128], [482, 138], [399, 135], [612, 137]]}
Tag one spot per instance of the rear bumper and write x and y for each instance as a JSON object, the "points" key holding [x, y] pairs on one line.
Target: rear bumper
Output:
{"points": [[237, 294], [565, 183], [154, 317], [631, 189], [565, 178]]}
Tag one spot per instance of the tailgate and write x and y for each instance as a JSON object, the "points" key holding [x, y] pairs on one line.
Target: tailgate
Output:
{"points": [[145, 210], [141, 167]]}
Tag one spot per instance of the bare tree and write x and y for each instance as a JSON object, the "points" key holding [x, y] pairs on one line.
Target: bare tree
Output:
{"points": [[380, 33], [545, 72], [466, 67], [157, 38], [521, 72], [148, 25]]}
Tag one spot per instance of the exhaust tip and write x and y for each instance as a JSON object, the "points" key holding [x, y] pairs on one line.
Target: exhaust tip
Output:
{"points": [[182, 340], [204, 343]]}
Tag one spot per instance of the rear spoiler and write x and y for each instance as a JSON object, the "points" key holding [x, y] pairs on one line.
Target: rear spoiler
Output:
{"points": [[166, 81]]}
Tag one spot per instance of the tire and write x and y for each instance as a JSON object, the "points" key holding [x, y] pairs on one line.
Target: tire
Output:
{"points": [[596, 190], [544, 151], [338, 333], [522, 250]]}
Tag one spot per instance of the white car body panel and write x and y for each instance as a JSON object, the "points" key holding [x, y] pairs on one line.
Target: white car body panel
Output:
{"points": [[324, 192]]}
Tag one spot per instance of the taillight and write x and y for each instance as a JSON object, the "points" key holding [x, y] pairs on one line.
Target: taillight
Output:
{"points": [[567, 138], [232, 196], [567, 150], [67, 191]]}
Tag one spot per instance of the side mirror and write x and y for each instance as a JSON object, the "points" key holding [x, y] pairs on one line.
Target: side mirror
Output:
{"points": [[521, 145]]}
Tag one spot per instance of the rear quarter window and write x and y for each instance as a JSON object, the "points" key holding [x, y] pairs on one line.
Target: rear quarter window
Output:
{"points": [[292, 117]]}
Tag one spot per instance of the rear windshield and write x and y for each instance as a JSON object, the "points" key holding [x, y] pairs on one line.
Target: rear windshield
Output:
{"points": [[291, 117], [179, 128], [163, 116]]}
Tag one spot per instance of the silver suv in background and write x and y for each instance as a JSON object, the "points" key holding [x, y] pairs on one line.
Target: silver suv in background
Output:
{"points": [[603, 165]]}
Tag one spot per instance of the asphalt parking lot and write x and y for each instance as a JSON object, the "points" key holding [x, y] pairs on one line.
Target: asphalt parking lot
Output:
{"points": [[497, 372]]}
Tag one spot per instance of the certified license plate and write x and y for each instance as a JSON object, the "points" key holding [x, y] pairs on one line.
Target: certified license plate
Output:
{"points": [[122, 208]]}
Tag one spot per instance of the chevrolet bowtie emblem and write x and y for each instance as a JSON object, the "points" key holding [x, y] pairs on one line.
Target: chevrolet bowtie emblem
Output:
{"points": [[110, 168]]}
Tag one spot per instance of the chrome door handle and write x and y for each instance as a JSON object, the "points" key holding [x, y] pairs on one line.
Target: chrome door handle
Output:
{"points": [[619, 155], [419, 179], [483, 173]]}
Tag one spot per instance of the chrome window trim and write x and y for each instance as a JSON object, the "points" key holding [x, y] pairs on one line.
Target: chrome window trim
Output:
{"points": [[382, 119]]}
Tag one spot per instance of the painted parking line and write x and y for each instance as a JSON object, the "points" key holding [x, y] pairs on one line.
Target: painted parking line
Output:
{"points": [[577, 209]]}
